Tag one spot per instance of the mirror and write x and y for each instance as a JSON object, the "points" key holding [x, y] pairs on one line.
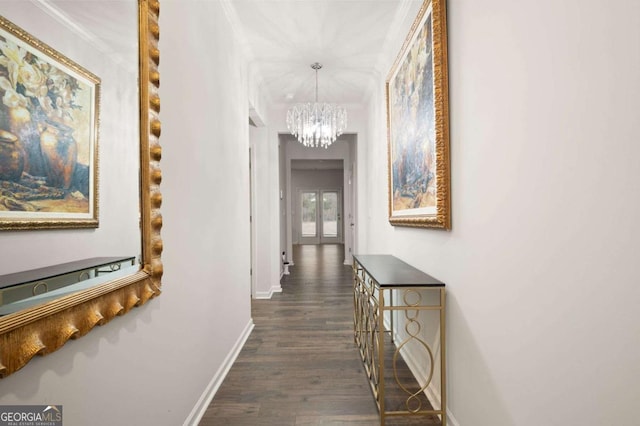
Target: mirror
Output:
{"points": [[48, 325]]}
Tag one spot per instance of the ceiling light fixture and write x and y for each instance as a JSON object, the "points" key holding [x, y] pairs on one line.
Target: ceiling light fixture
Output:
{"points": [[316, 124]]}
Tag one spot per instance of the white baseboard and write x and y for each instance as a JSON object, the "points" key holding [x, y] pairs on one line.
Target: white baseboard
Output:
{"points": [[207, 396], [451, 421], [431, 392], [268, 294]]}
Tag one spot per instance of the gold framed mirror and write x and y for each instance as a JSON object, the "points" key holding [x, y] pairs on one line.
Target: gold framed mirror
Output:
{"points": [[44, 328]]}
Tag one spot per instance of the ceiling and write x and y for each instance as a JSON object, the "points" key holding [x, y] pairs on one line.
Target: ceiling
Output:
{"points": [[282, 38]]}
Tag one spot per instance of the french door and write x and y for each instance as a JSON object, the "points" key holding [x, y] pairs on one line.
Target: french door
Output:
{"points": [[320, 216]]}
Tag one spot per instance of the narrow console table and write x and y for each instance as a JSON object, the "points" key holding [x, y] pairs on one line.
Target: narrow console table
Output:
{"points": [[377, 280], [20, 286]]}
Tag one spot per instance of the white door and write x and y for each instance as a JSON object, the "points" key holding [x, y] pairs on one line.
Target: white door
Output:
{"points": [[331, 217], [321, 216]]}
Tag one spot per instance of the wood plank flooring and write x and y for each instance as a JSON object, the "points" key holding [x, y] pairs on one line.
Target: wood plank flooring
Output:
{"points": [[300, 366]]}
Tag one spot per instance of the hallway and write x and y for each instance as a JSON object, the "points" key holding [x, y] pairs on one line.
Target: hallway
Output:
{"points": [[300, 365]]}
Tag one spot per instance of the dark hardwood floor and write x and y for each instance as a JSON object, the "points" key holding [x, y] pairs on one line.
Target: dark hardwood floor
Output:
{"points": [[300, 365]]}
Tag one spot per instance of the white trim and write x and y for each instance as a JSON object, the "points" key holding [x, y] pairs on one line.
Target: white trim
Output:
{"points": [[207, 396], [268, 294], [252, 216], [85, 34], [451, 420], [431, 392]]}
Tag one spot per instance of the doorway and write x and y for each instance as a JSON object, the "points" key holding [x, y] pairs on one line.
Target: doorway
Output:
{"points": [[304, 169]]}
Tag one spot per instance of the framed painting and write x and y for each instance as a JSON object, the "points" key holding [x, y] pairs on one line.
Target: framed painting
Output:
{"points": [[418, 124], [48, 136]]}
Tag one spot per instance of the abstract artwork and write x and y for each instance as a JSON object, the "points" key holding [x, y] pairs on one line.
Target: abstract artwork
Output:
{"points": [[417, 125]]}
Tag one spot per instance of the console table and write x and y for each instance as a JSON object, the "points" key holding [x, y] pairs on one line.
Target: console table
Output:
{"points": [[23, 285], [377, 280]]}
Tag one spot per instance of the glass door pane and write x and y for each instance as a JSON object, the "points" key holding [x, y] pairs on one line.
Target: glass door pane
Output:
{"points": [[330, 214], [309, 215]]}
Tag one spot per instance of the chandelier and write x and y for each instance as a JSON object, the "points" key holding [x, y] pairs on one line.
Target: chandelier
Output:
{"points": [[316, 124]]}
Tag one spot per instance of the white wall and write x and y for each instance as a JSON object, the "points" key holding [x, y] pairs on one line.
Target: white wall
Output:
{"points": [[266, 273], [283, 197], [541, 263], [152, 365]]}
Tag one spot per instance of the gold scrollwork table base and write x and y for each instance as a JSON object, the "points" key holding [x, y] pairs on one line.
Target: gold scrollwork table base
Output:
{"points": [[409, 329]]}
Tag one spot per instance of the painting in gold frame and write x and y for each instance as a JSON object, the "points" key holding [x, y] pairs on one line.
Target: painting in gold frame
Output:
{"points": [[48, 136], [418, 124]]}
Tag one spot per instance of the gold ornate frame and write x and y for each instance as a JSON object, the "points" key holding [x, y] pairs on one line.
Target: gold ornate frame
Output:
{"points": [[45, 328], [419, 217]]}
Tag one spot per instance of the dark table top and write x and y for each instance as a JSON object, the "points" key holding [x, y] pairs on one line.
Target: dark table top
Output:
{"points": [[389, 271], [17, 278]]}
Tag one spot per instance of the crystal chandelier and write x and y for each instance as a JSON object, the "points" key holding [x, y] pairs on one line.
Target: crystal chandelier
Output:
{"points": [[316, 124]]}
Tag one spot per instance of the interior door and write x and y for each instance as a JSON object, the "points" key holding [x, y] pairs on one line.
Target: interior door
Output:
{"points": [[321, 216], [331, 217]]}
